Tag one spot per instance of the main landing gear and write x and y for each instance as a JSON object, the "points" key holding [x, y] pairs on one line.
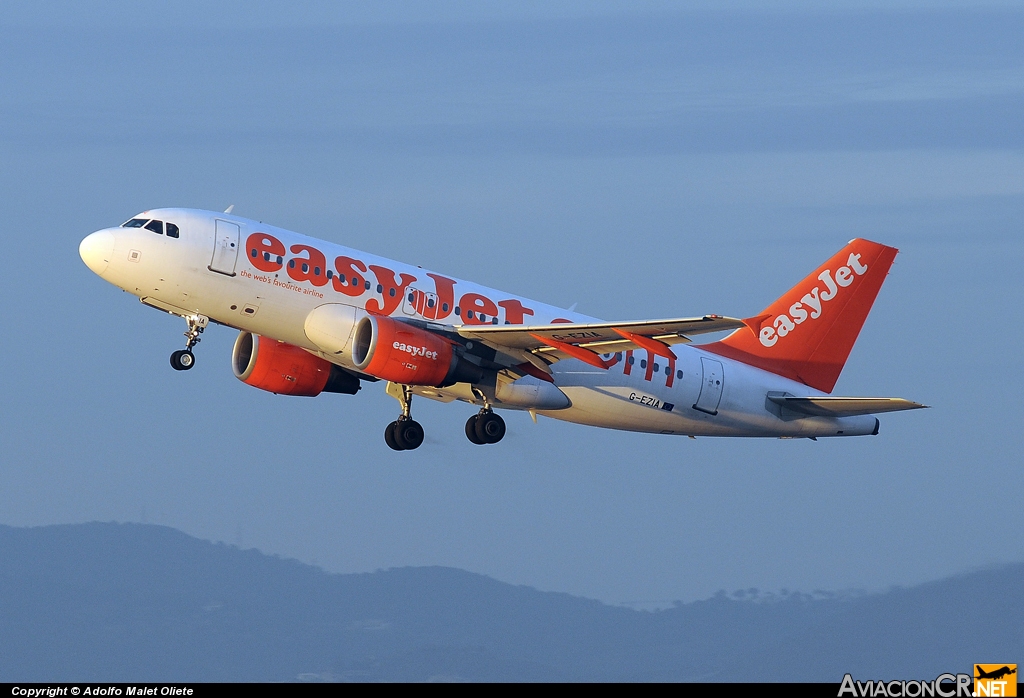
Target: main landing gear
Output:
{"points": [[184, 359], [405, 433], [485, 428]]}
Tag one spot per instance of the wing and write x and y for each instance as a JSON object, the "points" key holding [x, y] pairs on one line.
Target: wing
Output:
{"points": [[844, 406], [544, 344]]}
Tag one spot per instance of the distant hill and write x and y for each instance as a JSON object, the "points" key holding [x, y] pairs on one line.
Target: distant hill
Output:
{"points": [[135, 602]]}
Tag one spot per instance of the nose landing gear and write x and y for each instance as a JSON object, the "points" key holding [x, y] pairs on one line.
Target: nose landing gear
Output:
{"points": [[184, 359], [405, 433]]}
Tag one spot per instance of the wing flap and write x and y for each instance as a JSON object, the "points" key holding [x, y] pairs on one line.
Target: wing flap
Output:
{"points": [[844, 406]]}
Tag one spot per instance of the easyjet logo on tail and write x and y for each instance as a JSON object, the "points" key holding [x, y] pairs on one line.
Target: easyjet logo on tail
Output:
{"points": [[811, 305]]}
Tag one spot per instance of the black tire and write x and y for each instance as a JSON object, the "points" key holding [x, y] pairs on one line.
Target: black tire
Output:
{"points": [[389, 437], [490, 428], [409, 434], [471, 430], [182, 360]]}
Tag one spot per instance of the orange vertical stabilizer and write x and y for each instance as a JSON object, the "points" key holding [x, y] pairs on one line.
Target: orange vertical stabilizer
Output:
{"points": [[808, 333]]}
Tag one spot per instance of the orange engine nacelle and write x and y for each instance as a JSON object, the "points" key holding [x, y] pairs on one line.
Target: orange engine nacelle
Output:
{"points": [[285, 369], [401, 353]]}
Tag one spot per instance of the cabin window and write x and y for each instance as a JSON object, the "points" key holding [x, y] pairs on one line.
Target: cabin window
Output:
{"points": [[330, 274], [412, 297], [391, 292], [469, 314], [316, 271], [444, 308], [643, 363], [679, 375]]}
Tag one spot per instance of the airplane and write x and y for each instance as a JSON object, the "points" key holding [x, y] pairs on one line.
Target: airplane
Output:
{"points": [[317, 317], [995, 674]]}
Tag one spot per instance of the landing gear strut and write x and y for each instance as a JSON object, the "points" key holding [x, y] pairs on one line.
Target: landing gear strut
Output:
{"points": [[405, 433], [184, 359]]}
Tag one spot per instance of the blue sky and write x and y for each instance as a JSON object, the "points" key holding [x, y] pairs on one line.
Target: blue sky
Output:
{"points": [[643, 160]]}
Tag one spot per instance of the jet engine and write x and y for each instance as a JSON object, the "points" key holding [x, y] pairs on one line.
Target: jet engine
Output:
{"points": [[382, 347], [286, 369], [401, 353]]}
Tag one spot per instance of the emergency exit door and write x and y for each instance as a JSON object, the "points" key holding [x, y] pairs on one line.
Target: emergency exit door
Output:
{"points": [[713, 379]]}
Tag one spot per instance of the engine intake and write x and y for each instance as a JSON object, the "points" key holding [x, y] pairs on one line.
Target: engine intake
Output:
{"points": [[285, 369]]}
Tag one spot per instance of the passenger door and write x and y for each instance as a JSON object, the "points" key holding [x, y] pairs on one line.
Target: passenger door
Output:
{"points": [[225, 248]]}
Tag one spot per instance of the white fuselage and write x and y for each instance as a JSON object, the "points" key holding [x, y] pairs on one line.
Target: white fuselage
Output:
{"points": [[200, 273]]}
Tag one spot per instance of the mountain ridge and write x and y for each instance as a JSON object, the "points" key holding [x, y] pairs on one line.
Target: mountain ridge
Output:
{"points": [[140, 602]]}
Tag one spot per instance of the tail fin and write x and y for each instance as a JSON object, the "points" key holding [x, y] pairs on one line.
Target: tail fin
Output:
{"points": [[807, 334]]}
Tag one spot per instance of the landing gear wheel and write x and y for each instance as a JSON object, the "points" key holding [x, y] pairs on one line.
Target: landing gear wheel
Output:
{"points": [[471, 430], [389, 437], [182, 360], [408, 434], [490, 428]]}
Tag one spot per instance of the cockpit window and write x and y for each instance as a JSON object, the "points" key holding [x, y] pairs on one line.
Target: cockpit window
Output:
{"points": [[156, 226], [135, 223], [172, 230]]}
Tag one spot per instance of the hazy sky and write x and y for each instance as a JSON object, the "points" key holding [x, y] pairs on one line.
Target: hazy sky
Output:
{"points": [[640, 160]]}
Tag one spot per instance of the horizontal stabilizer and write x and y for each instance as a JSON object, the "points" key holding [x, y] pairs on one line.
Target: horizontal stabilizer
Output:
{"points": [[844, 406]]}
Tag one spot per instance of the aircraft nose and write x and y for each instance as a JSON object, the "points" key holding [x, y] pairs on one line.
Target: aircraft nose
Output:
{"points": [[96, 250]]}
